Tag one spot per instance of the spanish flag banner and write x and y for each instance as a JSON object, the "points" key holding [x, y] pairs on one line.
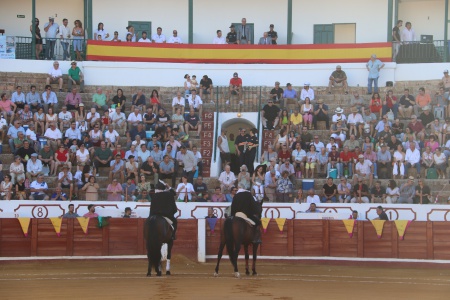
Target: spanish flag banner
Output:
{"points": [[349, 225], [212, 223], [265, 223], [237, 54], [378, 225], [84, 223], [56, 222], [280, 223], [402, 225], [25, 224]]}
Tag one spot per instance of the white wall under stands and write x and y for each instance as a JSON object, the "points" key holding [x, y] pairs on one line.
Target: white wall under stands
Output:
{"points": [[171, 74], [198, 210]]}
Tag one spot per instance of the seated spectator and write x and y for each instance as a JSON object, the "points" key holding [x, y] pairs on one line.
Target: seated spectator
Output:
{"points": [[100, 100], [344, 191], [127, 212], [34, 167], [339, 131], [288, 94], [138, 100], [412, 159], [284, 188], [407, 191], [55, 76], [13, 133], [376, 105], [93, 117], [192, 122], [338, 78], [311, 162], [65, 180], [285, 120], [64, 119], [307, 110], [392, 192], [38, 189], [329, 192], [360, 192], [118, 119], [195, 102], [34, 99], [235, 88], [49, 98], [287, 166], [134, 118], [218, 196], [281, 139], [268, 155], [406, 105], [21, 192], [270, 115], [114, 191], [321, 114], [59, 195], [426, 117], [339, 115], [312, 197], [322, 162], [284, 154], [150, 170], [307, 91], [397, 129], [128, 189], [62, 158], [299, 160], [25, 115], [333, 160], [384, 162], [185, 190], [422, 194], [75, 77], [206, 87], [390, 104], [440, 162], [6, 188], [276, 93], [363, 170], [422, 99], [378, 193], [200, 187], [227, 180], [244, 178], [102, 157], [370, 120], [162, 120], [346, 163], [356, 101], [355, 122], [117, 168]]}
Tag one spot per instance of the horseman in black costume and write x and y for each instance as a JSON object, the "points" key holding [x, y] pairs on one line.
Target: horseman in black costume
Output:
{"points": [[244, 202], [163, 204]]}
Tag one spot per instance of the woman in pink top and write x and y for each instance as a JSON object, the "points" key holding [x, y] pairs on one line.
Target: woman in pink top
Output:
{"points": [[114, 191], [5, 106]]}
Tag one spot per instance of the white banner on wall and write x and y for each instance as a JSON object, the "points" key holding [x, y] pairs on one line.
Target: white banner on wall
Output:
{"points": [[198, 210], [7, 47]]}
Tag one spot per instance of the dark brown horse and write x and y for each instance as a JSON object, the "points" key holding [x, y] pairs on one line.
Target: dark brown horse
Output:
{"points": [[236, 232], [156, 233]]}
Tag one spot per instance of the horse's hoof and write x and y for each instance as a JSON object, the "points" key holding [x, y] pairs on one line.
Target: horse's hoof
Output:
{"points": [[149, 275], [237, 275], [247, 273], [168, 273], [254, 273], [216, 274], [158, 274]]}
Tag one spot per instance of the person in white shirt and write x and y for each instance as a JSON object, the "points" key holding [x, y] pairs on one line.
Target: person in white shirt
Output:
{"points": [[111, 137], [195, 101], [356, 122], [93, 116], [307, 91], [53, 136], [134, 118], [101, 32], [178, 102], [34, 167], [65, 180], [118, 119], [412, 159], [158, 37], [130, 152], [185, 190], [51, 30], [339, 116], [83, 157], [55, 75], [144, 38], [175, 39], [64, 118], [219, 39], [227, 180], [38, 189], [312, 198], [131, 32], [64, 35], [30, 134], [143, 154], [408, 34], [73, 133], [299, 158]]}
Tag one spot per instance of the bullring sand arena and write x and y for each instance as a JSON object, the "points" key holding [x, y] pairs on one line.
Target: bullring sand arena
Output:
{"points": [[125, 279]]}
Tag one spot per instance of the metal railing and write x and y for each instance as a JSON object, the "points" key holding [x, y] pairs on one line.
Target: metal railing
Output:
{"points": [[24, 48], [418, 52]]}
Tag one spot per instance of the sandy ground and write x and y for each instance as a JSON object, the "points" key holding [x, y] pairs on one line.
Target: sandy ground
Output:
{"points": [[125, 279]]}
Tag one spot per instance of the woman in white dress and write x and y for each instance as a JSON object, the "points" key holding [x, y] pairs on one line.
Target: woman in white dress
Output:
{"points": [[392, 192], [83, 158], [187, 85], [258, 182], [399, 160], [101, 32], [307, 112], [6, 188]]}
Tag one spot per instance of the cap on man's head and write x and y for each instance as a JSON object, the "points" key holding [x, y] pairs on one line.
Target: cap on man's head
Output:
{"points": [[271, 25], [73, 63], [235, 74], [232, 26], [411, 178], [307, 83], [361, 156], [445, 71]]}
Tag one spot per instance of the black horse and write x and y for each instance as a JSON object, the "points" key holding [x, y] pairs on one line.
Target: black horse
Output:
{"points": [[157, 232], [236, 232]]}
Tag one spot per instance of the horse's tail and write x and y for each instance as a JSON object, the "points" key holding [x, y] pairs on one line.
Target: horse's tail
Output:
{"points": [[229, 240], [153, 242]]}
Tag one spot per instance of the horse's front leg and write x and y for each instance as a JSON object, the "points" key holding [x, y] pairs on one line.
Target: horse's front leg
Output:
{"points": [[169, 256], [255, 254], [237, 248], [246, 259], [149, 270]]}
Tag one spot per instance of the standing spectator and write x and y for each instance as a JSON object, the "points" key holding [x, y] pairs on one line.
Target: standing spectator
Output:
{"points": [[408, 34], [232, 36], [374, 66], [270, 183], [244, 34], [64, 35], [51, 29], [55, 75], [158, 37], [273, 34], [78, 37], [396, 39], [329, 191], [222, 145], [37, 38], [189, 164], [219, 39]]}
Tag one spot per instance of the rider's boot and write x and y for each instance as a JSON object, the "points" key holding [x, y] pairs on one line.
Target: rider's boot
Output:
{"points": [[257, 235]]}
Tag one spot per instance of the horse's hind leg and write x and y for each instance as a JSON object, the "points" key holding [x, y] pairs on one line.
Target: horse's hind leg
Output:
{"points": [[235, 258], [169, 256], [149, 271], [255, 254], [246, 260], [219, 256]]}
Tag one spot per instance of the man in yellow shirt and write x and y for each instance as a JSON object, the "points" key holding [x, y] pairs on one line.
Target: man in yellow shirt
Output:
{"points": [[296, 121], [422, 100]]}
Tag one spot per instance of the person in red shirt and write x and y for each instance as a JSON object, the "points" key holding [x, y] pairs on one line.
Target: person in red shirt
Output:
{"points": [[417, 127], [62, 158], [236, 88], [284, 154], [375, 104], [119, 150], [333, 160], [346, 159]]}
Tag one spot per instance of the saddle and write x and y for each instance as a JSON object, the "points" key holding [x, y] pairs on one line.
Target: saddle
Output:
{"points": [[245, 218]]}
